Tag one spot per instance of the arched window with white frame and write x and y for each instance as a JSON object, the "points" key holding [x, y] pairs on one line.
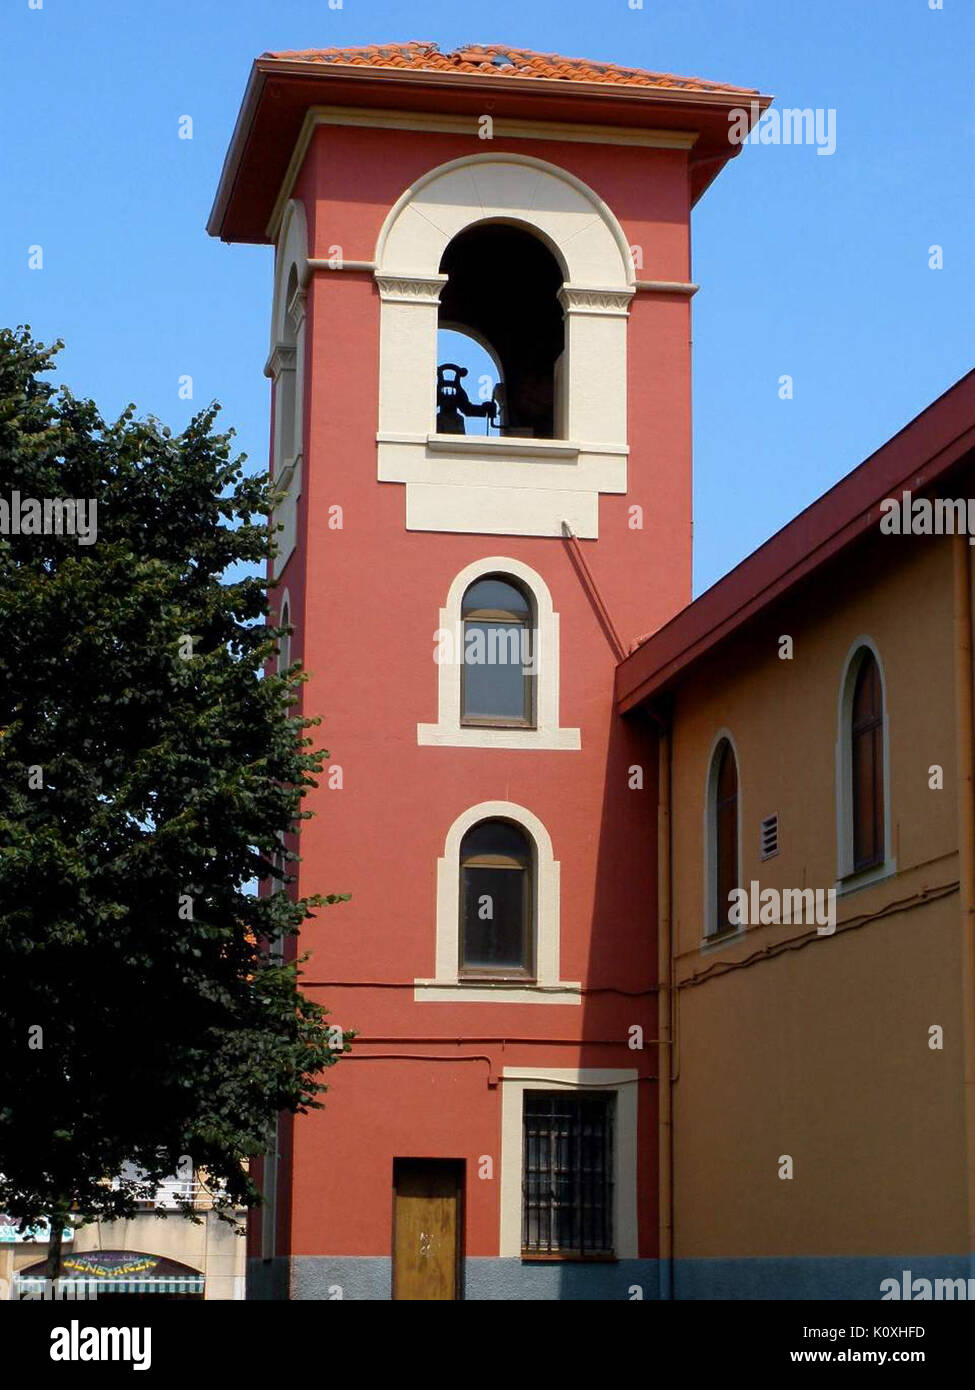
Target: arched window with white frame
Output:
{"points": [[496, 656], [497, 671], [863, 768], [284, 641], [285, 367], [722, 837], [285, 395], [497, 929]]}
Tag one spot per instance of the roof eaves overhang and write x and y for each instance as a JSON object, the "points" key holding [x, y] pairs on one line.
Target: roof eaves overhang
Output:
{"points": [[282, 90], [238, 141], [925, 451]]}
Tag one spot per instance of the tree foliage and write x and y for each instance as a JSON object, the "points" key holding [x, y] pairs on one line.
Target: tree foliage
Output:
{"points": [[143, 1015]]}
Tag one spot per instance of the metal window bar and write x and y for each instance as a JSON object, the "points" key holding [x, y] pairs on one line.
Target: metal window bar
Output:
{"points": [[172, 1191], [567, 1188]]}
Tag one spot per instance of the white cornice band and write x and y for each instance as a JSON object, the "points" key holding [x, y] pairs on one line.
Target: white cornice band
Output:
{"points": [[339, 263], [685, 287]]}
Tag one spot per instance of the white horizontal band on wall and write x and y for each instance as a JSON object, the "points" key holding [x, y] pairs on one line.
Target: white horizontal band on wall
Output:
{"points": [[685, 287]]}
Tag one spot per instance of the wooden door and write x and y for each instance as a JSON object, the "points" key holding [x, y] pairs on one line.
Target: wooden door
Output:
{"points": [[427, 1199]]}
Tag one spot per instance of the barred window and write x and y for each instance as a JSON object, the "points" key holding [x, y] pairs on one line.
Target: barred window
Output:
{"points": [[567, 1206]]}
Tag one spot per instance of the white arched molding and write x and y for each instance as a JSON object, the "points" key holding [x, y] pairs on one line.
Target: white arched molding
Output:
{"points": [[285, 367], [285, 618], [710, 934], [846, 878], [448, 732], [504, 486], [447, 987]]}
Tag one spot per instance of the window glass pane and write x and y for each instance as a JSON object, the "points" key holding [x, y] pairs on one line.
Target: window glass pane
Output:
{"points": [[495, 837], [878, 792], [496, 596], [498, 660], [726, 835], [495, 679], [866, 748], [867, 704], [727, 774], [494, 919]]}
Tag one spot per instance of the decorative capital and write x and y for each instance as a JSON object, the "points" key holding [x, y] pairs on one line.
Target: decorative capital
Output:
{"points": [[283, 359], [580, 299], [296, 309], [286, 472], [410, 289]]}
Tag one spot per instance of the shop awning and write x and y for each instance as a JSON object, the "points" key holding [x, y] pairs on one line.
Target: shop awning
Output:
{"points": [[93, 1273], [93, 1287]]}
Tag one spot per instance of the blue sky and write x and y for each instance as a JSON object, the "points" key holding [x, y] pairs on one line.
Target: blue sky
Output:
{"points": [[811, 266]]}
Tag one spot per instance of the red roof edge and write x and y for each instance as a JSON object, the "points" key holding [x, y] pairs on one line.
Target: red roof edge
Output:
{"points": [[230, 168], [280, 90], [914, 459]]}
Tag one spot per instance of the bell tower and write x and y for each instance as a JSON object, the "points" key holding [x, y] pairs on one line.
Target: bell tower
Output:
{"points": [[480, 367]]}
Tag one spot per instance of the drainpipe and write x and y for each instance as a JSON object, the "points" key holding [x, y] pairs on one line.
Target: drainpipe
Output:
{"points": [[595, 597], [665, 1151], [966, 852]]}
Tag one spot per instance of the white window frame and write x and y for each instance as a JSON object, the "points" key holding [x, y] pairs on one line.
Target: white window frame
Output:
{"points": [[515, 1081], [284, 645], [847, 880], [449, 732], [710, 937], [447, 985], [285, 366]]}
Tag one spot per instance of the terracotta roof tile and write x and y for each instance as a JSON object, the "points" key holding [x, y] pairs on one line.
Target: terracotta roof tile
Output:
{"points": [[502, 61]]}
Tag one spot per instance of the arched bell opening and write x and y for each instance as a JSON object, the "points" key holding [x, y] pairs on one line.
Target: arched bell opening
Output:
{"points": [[502, 295]]}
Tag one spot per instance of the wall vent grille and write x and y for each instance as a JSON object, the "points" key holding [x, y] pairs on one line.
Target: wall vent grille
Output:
{"points": [[768, 836]]}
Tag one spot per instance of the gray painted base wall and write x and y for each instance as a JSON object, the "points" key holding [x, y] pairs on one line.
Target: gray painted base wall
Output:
{"points": [[267, 1279], [370, 1277], [510, 1279], [324, 1278]]}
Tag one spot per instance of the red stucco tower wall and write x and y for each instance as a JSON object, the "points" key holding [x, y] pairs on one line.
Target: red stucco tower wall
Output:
{"points": [[388, 523]]}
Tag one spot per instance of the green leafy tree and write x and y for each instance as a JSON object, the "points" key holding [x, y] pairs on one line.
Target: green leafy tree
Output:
{"points": [[149, 766]]}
